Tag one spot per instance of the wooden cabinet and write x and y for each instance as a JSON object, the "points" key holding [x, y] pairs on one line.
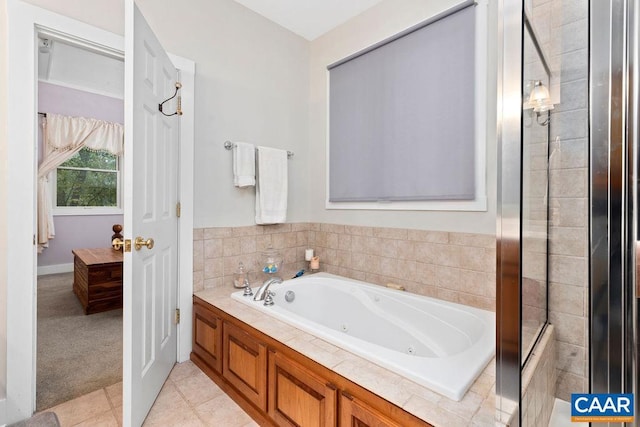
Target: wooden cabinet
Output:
{"points": [[207, 337], [278, 386], [244, 364], [355, 413], [299, 397]]}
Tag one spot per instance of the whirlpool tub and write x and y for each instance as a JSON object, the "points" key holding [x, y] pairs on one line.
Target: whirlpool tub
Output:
{"points": [[441, 345]]}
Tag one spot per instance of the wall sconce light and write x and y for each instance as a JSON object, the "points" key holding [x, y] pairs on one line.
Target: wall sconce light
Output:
{"points": [[539, 101]]}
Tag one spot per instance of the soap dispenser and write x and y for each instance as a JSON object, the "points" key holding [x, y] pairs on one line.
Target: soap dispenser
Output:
{"points": [[240, 278]]}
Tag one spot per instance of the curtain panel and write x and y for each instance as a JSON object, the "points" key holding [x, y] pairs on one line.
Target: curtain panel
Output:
{"points": [[64, 136]]}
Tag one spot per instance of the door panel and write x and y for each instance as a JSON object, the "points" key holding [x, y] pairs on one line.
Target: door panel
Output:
{"points": [[150, 181]]}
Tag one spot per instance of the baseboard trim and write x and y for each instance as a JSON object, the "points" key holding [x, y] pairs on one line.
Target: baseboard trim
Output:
{"points": [[3, 412], [55, 269]]}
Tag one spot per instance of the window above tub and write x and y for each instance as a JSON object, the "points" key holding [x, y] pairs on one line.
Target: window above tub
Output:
{"points": [[407, 122]]}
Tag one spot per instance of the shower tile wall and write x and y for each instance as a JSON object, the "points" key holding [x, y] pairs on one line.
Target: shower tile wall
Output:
{"points": [[456, 267], [563, 32]]}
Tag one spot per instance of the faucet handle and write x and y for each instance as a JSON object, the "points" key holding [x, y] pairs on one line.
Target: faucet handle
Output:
{"points": [[247, 289], [268, 299]]}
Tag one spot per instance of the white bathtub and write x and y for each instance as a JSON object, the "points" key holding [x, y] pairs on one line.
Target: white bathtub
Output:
{"points": [[441, 345]]}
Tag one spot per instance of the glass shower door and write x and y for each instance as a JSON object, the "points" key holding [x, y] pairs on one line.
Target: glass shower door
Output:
{"points": [[535, 193]]}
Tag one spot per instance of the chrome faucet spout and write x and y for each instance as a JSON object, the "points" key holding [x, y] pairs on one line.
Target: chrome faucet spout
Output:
{"points": [[263, 290]]}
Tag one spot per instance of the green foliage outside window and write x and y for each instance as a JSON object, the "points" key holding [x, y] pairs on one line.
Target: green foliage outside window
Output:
{"points": [[88, 179]]}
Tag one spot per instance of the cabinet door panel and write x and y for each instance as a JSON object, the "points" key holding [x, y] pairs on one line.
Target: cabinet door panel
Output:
{"points": [[297, 396], [354, 413], [207, 337], [245, 364]]}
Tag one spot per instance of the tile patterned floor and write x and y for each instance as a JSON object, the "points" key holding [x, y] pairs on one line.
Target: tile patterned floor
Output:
{"points": [[188, 398]]}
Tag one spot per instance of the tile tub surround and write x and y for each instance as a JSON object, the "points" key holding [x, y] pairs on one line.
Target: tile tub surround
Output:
{"points": [[539, 382], [477, 408], [457, 267]]}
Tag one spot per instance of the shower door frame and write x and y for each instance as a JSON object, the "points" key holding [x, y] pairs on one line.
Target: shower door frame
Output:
{"points": [[508, 222], [614, 99]]}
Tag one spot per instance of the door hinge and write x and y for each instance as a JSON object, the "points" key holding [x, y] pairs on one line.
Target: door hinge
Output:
{"points": [[34, 239], [177, 316], [178, 209]]}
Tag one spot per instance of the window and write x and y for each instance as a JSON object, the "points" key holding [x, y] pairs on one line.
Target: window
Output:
{"points": [[404, 123], [88, 180]]}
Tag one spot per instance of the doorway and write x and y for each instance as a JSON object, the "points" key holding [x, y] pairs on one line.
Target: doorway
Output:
{"points": [[79, 329], [26, 20]]}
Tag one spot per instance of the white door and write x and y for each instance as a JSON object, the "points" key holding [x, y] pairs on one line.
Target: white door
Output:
{"points": [[150, 177]]}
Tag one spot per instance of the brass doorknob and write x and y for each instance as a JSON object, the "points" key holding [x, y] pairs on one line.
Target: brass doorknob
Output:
{"points": [[140, 242], [117, 243]]}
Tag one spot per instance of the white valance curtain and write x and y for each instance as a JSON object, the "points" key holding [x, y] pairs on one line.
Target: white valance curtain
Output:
{"points": [[64, 136]]}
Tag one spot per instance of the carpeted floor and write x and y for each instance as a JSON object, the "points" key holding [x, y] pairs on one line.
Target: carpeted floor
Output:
{"points": [[77, 354]]}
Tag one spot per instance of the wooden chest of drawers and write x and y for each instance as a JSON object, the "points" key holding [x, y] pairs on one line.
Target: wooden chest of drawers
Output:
{"points": [[97, 279]]}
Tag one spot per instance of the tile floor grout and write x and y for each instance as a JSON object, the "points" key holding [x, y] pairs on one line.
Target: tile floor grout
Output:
{"points": [[183, 400]]}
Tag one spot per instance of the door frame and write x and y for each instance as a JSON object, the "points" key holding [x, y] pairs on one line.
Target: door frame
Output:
{"points": [[22, 28]]}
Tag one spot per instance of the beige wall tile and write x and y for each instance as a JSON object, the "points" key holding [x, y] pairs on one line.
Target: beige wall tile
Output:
{"points": [[569, 328], [477, 240], [246, 231], [198, 281], [567, 299], [213, 248], [300, 226], [263, 242], [569, 383], [217, 232], [248, 245], [378, 255], [568, 241], [302, 238], [391, 233], [276, 228], [213, 267], [484, 303], [333, 240], [217, 282], [231, 246], [389, 248], [568, 270], [198, 255], [406, 250], [332, 228], [373, 246], [428, 236], [357, 230]]}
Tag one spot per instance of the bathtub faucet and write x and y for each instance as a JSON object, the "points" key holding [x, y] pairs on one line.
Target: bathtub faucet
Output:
{"points": [[263, 293]]}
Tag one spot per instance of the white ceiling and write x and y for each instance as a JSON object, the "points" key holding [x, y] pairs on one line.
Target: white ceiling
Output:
{"points": [[309, 18]]}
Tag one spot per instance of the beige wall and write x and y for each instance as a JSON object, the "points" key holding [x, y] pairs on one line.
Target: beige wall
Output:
{"points": [[375, 24], [251, 85], [3, 197], [256, 81]]}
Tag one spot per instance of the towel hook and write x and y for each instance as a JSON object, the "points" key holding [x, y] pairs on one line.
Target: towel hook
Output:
{"points": [[179, 107]]}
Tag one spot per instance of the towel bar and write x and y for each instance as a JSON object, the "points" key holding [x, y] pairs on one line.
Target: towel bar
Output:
{"points": [[228, 145]]}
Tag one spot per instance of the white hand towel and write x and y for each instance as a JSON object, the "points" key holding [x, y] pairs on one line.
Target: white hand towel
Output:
{"points": [[244, 164], [271, 186]]}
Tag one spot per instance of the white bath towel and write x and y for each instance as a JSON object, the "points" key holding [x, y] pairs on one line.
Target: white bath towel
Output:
{"points": [[271, 186], [244, 164]]}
